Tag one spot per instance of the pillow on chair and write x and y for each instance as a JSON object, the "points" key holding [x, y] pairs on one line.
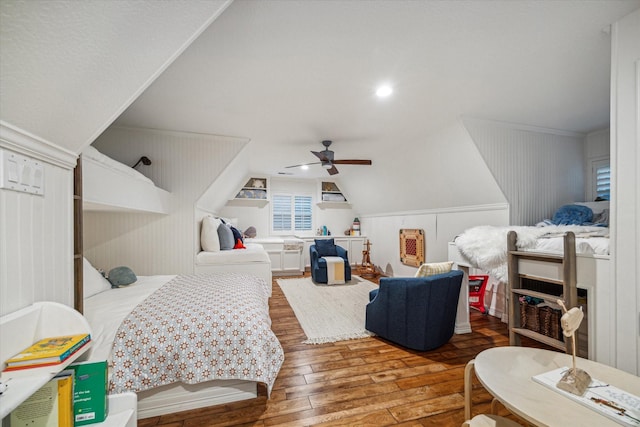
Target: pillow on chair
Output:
{"points": [[434, 268], [326, 247]]}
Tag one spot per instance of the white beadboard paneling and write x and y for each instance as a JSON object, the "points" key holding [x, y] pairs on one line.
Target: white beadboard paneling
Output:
{"points": [[440, 227], [36, 243], [538, 170], [184, 164], [625, 191]]}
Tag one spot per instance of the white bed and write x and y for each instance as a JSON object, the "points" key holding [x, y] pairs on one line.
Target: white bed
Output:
{"points": [[252, 260], [209, 258], [485, 248], [109, 185], [106, 308]]}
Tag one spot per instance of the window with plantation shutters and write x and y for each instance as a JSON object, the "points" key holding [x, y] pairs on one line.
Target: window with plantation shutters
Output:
{"points": [[302, 211], [281, 212], [291, 213], [602, 180]]}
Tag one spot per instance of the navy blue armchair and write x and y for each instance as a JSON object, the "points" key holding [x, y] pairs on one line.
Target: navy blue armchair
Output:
{"points": [[326, 247], [415, 312]]}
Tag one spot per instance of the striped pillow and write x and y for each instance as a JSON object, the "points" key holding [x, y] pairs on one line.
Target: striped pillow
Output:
{"points": [[434, 268]]}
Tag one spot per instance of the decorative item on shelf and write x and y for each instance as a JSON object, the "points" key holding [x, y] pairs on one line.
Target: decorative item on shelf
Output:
{"points": [[412, 246], [355, 230], [574, 380]]}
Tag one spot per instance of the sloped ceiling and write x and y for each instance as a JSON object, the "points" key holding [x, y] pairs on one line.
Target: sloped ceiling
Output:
{"points": [[288, 74], [69, 68]]}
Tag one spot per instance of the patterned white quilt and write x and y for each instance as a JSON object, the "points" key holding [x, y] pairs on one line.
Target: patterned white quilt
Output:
{"points": [[197, 328]]}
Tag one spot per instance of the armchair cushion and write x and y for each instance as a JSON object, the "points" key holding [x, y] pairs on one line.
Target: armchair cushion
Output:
{"points": [[326, 247], [415, 312]]}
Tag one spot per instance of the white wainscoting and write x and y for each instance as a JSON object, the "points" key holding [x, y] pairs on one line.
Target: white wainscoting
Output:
{"points": [[36, 232]]}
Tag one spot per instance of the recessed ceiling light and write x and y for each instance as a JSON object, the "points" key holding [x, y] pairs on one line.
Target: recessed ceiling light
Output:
{"points": [[384, 91], [304, 167]]}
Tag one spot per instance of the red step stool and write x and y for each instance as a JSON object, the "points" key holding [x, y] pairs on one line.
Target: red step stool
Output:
{"points": [[477, 286]]}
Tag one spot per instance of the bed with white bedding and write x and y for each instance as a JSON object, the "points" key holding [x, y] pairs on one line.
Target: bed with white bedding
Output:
{"points": [[183, 342], [251, 260], [109, 185], [485, 248], [213, 256]]}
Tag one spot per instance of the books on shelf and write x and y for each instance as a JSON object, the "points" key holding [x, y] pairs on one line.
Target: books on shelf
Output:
{"points": [[90, 403], [607, 400], [50, 406], [48, 351]]}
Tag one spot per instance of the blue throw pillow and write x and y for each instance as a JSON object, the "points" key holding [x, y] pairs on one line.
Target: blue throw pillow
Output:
{"points": [[226, 237], [326, 247], [236, 234], [121, 276]]}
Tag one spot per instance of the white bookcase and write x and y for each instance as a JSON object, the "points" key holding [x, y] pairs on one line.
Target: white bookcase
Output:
{"points": [[20, 329]]}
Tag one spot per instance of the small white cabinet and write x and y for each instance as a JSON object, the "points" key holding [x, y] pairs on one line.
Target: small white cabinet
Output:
{"points": [[285, 254], [20, 329]]}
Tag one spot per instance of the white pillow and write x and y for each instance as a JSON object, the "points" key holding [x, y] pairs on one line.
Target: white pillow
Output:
{"points": [[209, 234], [596, 207], [92, 281]]}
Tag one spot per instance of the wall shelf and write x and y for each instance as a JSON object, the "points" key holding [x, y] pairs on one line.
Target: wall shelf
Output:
{"points": [[254, 193], [20, 329], [330, 196]]}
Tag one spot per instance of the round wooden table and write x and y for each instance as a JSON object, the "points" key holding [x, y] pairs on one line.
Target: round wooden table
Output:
{"points": [[506, 373]]}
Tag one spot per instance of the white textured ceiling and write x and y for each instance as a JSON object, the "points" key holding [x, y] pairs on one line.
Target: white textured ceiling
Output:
{"points": [[69, 68], [287, 74]]}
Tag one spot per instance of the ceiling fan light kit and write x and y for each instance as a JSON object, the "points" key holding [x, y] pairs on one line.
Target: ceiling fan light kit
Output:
{"points": [[327, 161]]}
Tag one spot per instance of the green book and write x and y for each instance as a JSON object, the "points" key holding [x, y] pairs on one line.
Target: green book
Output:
{"points": [[90, 392]]}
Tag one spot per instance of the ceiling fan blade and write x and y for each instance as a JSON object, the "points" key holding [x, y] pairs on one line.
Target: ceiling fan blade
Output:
{"points": [[320, 155], [332, 170], [302, 164], [352, 162]]}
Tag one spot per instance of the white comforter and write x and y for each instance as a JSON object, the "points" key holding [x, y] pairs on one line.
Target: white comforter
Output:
{"points": [[192, 329], [486, 246]]}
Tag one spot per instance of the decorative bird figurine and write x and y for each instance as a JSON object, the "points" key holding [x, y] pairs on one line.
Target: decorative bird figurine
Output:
{"points": [[574, 380]]}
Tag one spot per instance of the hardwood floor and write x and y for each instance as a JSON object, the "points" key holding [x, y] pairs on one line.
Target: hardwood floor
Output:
{"points": [[358, 382]]}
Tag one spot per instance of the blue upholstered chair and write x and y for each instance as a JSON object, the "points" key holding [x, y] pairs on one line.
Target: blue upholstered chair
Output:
{"points": [[416, 312], [326, 247]]}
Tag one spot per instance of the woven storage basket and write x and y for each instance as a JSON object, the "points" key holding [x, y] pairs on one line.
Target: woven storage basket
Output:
{"points": [[550, 322], [529, 318]]}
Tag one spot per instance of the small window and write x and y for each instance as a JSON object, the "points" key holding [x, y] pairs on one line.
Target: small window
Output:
{"points": [[291, 213], [602, 180]]}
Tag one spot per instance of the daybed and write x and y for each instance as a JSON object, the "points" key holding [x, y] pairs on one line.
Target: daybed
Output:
{"points": [[183, 342], [210, 258], [485, 248], [109, 185]]}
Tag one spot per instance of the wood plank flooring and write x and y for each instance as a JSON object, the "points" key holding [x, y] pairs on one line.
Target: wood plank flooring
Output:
{"points": [[367, 382]]}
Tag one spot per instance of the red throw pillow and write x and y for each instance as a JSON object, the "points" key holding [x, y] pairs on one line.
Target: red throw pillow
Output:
{"points": [[239, 245]]}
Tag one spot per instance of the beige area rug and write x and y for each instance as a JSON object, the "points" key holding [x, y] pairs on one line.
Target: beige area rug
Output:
{"points": [[329, 313]]}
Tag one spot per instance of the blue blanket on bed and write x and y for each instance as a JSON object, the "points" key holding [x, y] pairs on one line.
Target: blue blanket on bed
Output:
{"points": [[573, 215]]}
